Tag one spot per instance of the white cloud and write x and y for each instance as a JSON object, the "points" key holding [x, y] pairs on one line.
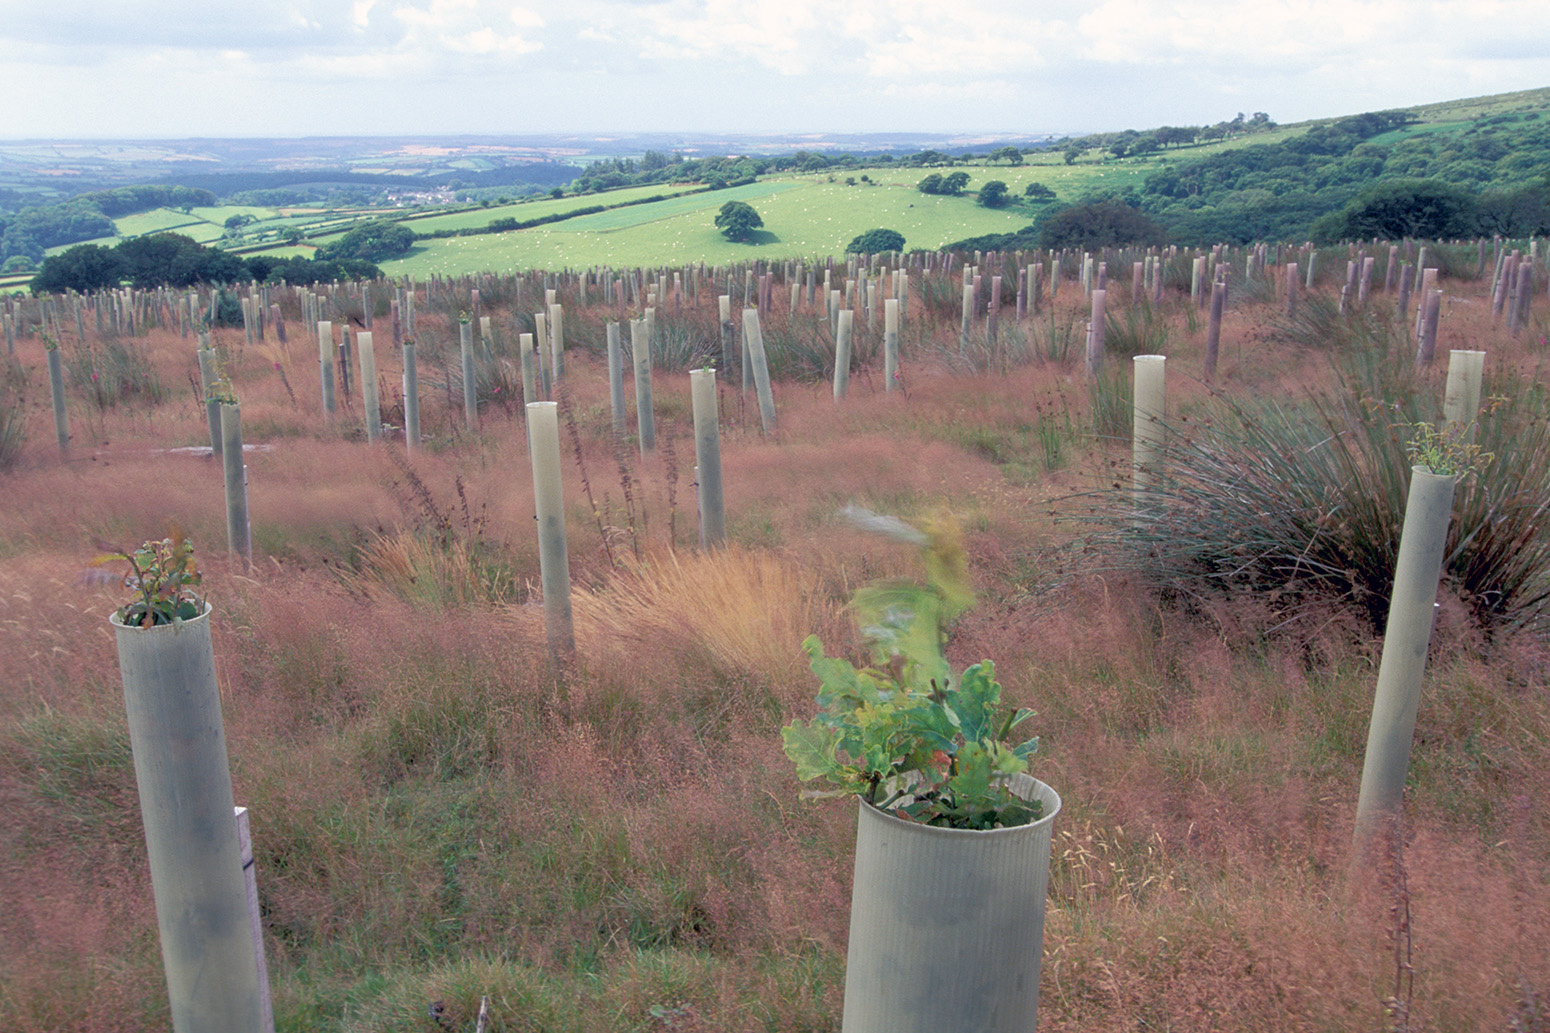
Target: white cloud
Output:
{"points": [[755, 64], [1278, 30], [960, 52], [787, 37], [477, 27]]}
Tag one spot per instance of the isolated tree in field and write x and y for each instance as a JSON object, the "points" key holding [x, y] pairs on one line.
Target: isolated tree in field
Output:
{"points": [[875, 242], [954, 183], [737, 220], [932, 184], [1038, 193], [1011, 155], [993, 194]]}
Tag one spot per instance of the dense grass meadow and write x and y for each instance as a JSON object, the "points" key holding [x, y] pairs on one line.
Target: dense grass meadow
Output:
{"points": [[614, 841]]}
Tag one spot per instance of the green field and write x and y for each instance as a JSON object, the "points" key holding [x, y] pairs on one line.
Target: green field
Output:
{"points": [[157, 220], [99, 241], [221, 213], [803, 216], [522, 211], [1481, 107]]}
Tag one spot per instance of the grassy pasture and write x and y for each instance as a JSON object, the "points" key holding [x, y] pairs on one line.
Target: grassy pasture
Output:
{"points": [[221, 213], [157, 220], [803, 216], [439, 815], [1482, 107], [537, 209], [1424, 129]]}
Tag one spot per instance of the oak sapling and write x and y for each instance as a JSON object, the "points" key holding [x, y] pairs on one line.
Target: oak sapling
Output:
{"points": [[905, 733], [163, 576]]}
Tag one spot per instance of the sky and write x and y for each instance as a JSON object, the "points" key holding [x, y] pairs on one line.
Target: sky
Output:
{"points": [[95, 69]]}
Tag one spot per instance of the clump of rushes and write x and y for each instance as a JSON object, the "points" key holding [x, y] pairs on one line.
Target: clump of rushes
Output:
{"points": [[1302, 504], [1319, 323], [905, 733], [163, 576], [1136, 330]]}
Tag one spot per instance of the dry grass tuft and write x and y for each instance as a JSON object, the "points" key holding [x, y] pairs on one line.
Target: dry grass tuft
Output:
{"points": [[740, 612], [432, 573]]}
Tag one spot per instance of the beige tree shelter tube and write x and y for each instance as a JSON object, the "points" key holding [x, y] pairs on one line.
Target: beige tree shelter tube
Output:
{"points": [[184, 781], [947, 925]]}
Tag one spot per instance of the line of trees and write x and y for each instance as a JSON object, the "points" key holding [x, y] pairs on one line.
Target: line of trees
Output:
{"points": [[1131, 142], [175, 260]]}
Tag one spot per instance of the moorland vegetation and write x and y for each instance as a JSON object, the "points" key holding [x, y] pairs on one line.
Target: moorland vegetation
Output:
{"points": [[443, 812]]}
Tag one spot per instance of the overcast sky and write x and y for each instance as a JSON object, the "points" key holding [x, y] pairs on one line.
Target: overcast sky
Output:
{"points": [[177, 68]]}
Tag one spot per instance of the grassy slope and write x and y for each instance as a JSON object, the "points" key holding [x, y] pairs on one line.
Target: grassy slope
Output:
{"points": [[803, 216], [537, 209]]}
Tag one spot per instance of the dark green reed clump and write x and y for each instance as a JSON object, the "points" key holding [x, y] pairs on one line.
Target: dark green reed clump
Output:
{"points": [[1319, 324], [1302, 504]]}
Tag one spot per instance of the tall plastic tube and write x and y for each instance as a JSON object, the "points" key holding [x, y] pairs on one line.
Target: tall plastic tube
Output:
{"points": [[1147, 428], [707, 456], [1406, 638], [184, 781]]}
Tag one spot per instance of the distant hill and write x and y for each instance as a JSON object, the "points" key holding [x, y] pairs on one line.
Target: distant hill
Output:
{"points": [[1241, 179]]}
